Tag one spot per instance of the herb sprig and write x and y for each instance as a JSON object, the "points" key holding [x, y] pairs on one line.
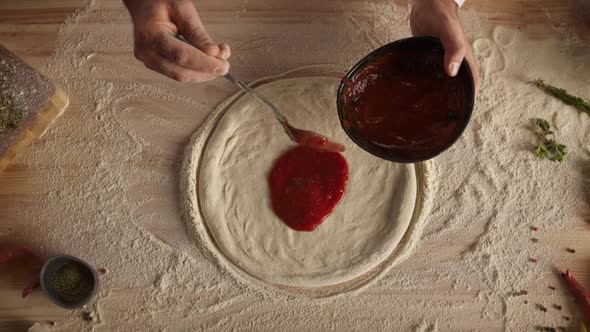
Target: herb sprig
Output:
{"points": [[577, 102], [548, 147]]}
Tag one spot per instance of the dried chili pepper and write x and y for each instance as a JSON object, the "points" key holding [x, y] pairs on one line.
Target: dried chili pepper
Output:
{"points": [[9, 253], [31, 288], [581, 294]]}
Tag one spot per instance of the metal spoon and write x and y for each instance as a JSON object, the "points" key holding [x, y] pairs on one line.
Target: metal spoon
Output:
{"points": [[299, 136]]}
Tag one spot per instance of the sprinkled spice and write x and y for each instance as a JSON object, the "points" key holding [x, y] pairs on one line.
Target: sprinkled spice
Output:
{"points": [[88, 316], [565, 317], [10, 117], [571, 251], [533, 260], [551, 288], [557, 306], [541, 307], [545, 328], [102, 270], [526, 302], [534, 228], [535, 240], [72, 282]]}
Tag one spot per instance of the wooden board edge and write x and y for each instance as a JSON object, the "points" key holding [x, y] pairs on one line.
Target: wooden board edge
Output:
{"points": [[36, 127]]}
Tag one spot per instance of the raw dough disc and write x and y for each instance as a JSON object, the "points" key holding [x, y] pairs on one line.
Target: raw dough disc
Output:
{"points": [[232, 193]]}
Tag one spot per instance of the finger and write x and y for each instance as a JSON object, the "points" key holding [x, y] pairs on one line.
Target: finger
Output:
{"points": [[471, 60], [191, 27], [224, 51], [175, 71], [186, 55], [455, 46], [413, 26]]}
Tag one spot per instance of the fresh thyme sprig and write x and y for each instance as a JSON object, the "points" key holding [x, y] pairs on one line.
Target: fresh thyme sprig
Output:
{"points": [[548, 147], [577, 102]]}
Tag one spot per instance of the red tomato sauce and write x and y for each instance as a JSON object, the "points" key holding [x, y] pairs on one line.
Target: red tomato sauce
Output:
{"points": [[306, 184], [405, 101]]}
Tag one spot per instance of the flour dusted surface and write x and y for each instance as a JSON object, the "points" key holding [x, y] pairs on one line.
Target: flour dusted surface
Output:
{"points": [[112, 185]]}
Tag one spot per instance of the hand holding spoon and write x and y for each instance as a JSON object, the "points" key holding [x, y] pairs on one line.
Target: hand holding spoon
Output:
{"points": [[299, 136]]}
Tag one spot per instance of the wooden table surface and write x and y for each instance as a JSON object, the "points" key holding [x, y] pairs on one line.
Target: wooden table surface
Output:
{"points": [[29, 28]]}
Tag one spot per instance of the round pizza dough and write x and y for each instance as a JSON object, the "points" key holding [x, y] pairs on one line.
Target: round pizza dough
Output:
{"points": [[229, 189]]}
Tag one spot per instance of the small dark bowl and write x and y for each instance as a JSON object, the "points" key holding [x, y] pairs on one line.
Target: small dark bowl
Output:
{"points": [[52, 265], [425, 45]]}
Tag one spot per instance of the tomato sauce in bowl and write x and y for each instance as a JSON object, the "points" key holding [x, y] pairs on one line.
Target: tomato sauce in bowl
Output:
{"points": [[399, 104]]}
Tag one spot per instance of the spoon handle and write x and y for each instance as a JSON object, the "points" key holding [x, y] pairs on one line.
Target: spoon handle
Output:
{"points": [[246, 88], [260, 97], [253, 92]]}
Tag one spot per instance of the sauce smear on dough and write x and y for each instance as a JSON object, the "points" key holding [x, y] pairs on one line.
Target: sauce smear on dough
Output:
{"points": [[315, 140], [306, 184]]}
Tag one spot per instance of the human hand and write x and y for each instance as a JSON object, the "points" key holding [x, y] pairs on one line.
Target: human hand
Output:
{"points": [[438, 18], [155, 25]]}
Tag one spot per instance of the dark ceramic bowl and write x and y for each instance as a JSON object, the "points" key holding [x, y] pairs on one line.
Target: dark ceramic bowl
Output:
{"points": [[48, 272], [418, 45]]}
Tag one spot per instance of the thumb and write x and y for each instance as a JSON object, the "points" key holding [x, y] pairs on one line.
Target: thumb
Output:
{"points": [[191, 28], [455, 50]]}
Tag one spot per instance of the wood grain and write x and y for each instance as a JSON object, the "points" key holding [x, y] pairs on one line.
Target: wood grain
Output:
{"points": [[29, 28]]}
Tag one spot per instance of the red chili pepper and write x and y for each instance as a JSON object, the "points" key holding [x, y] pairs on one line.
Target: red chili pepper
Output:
{"points": [[31, 288], [581, 294], [11, 252]]}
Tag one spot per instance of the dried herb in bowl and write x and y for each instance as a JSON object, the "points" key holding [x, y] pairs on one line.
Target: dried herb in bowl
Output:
{"points": [[72, 282]]}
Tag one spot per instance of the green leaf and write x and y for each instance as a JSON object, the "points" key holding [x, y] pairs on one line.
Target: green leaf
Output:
{"points": [[574, 101], [543, 124], [558, 158], [548, 147], [540, 151]]}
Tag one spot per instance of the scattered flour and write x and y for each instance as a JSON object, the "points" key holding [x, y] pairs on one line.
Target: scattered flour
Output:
{"points": [[104, 181]]}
